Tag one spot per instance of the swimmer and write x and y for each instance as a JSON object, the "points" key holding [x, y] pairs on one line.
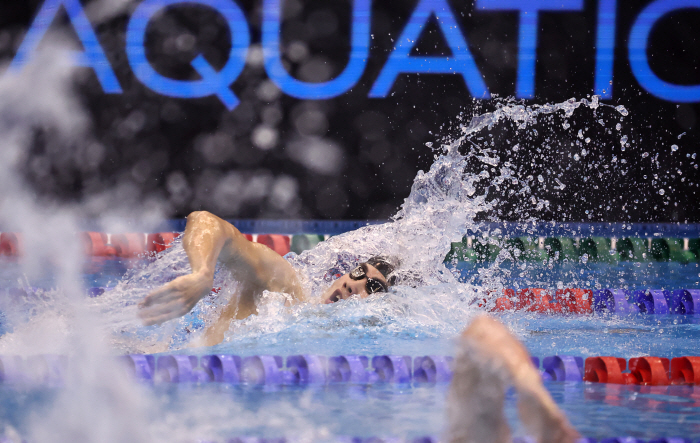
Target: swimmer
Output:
{"points": [[488, 356], [207, 240]]}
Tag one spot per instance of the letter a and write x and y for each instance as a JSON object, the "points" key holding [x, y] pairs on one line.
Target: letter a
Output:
{"points": [[460, 62], [92, 57]]}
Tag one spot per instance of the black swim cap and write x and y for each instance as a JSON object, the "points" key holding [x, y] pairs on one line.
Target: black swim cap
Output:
{"points": [[383, 265]]}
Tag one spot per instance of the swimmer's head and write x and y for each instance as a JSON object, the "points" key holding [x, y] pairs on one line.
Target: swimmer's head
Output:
{"points": [[370, 277]]}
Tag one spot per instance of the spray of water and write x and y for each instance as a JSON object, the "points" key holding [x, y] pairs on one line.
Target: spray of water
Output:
{"points": [[39, 110], [444, 204]]}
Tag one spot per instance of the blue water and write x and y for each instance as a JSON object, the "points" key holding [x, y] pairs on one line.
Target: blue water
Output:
{"points": [[623, 275], [218, 412], [596, 410]]}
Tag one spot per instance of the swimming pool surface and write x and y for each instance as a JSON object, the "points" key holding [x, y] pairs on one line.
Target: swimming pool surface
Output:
{"points": [[415, 323]]}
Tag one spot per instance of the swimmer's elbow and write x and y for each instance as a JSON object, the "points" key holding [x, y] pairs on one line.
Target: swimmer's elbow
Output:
{"points": [[200, 216]]}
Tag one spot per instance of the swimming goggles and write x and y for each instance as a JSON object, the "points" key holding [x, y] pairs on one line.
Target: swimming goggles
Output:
{"points": [[373, 286]]}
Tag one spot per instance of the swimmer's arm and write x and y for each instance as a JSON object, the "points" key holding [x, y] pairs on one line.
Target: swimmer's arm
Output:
{"points": [[209, 239], [538, 411]]}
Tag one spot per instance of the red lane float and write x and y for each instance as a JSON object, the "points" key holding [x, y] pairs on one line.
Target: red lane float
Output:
{"points": [[10, 244], [650, 371], [536, 300], [504, 303], [95, 245], [647, 371], [685, 371], [129, 245], [607, 370], [169, 238], [155, 243], [575, 300], [543, 301], [160, 241], [277, 242]]}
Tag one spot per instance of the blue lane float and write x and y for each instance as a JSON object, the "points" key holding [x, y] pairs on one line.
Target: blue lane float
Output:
{"points": [[180, 369], [321, 370], [308, 369], [141, 367], [392, 368], [433, 369], [222, 368], [688, 301], [265, 370], [623, 302], [651, 301], [350, 369], [563, 368]]}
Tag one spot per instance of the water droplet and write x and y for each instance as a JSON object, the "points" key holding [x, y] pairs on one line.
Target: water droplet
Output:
{"points": [[661, 192], [540, 179], [429, 144], [584, 258], [588, 139], [645, 155], [618, 126], [674, 148], [622, 110], [576, 157], [580, 134]]}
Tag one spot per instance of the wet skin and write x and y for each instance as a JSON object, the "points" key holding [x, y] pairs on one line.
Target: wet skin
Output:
{"points": [[209, 240], [345, 287]]}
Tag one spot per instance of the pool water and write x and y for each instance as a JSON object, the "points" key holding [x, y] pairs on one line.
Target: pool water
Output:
{"points": [[391, 324], [216, 412]]}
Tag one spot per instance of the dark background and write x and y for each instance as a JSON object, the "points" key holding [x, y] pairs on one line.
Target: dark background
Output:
{"points": [[352, 157]]}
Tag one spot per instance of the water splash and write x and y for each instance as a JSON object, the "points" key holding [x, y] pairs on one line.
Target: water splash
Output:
{"points": [[444, 204], [39, 111]]}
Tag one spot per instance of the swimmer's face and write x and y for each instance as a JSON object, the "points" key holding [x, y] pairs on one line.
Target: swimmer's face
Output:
{"points": [[345, 287]]}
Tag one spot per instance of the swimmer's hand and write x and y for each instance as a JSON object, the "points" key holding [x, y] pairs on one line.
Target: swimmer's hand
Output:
{"points": [[174, 299]]}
